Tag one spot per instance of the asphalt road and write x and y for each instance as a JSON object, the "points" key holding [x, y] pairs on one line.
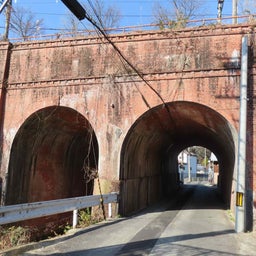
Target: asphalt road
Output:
{"points": [[195, 223]]}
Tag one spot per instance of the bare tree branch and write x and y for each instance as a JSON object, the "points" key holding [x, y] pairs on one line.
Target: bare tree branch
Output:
{"points": [[109, 16], [247, 6], [24, 24], [105, 16], [177, 15], [72, 25]]}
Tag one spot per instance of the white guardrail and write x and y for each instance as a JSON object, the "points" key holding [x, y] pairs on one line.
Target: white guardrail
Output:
{"points": [[20, 212]]}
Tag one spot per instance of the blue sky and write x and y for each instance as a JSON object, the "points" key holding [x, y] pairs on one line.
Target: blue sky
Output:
{"points": [[134, 12]]}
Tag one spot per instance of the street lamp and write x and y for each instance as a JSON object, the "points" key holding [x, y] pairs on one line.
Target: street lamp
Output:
{"points": [[76, 8], [8, 5]]}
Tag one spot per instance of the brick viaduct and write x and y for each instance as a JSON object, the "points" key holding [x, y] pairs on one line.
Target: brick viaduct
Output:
{"points": [[71, 107]]}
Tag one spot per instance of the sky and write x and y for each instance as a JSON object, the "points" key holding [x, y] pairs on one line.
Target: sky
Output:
{"points": [[133, 12]]}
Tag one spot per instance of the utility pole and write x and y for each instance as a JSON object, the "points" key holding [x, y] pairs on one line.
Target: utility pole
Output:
{"points": [[205, 158], [241, 164], [234, 11], [220, 7], [189, 170], [8, 19], [3, 4]]}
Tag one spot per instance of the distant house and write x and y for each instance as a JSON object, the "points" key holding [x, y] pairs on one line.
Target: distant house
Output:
{"points": [[214, 162], [213, 158], [187, 165]]}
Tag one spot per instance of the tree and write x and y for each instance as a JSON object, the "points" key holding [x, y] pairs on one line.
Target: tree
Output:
{"points": [[24, 24], [161, 15], [178, 14], [72, 24], [105, 16], [248, 7], [202, 154], [185, 9]]}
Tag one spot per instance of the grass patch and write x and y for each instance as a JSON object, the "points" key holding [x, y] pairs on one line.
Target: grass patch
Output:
{"points": [[14, 236]]}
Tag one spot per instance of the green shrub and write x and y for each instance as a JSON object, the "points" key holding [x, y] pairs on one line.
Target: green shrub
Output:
{"points": [[84, 217]]}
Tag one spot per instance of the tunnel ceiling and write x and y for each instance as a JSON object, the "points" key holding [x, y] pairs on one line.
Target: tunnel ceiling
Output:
{"points": [[56, 119], [184, 124]]}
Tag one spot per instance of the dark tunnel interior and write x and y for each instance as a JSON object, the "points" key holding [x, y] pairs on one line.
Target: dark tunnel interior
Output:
{"points": [[53, 156], [149, 167]]}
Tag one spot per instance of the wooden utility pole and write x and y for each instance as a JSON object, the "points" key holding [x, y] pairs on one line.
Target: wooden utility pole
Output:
{"points": [[7, 20]]}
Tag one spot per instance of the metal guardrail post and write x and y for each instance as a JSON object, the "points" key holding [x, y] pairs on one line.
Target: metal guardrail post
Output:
{"points": [[75, 218], [109, 210]]}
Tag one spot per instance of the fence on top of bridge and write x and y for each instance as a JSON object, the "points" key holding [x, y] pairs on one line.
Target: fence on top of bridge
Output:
{"points": [[172, 25]]}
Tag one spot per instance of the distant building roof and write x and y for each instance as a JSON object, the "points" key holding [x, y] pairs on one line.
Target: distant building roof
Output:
{"points": [[213, 158]]}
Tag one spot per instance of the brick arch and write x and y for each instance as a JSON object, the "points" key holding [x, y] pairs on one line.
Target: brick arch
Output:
{"points": [[52, 155], [148, 169]]}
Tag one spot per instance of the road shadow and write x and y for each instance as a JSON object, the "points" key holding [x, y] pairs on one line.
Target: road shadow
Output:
{"points": [[166, 246]]}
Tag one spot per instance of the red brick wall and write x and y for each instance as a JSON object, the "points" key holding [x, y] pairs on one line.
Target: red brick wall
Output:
{"points": [[196, 65], [4, 60]]}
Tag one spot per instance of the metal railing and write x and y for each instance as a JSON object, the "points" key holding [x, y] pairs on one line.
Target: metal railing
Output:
{"points": [[21, 212], [63, 34]]}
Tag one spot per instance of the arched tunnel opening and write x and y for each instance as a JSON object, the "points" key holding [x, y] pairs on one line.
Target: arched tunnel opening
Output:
{"points": [[199, 165], [149, 166], [54, 156]]}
